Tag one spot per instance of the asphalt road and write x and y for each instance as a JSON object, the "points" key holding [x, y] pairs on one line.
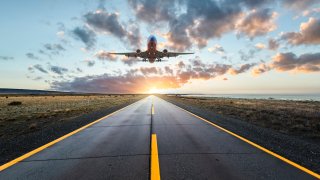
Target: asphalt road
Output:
{"points": [[118, 147]]}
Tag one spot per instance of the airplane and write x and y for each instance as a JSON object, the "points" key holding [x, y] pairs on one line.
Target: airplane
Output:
{"points": [[151, 54]]}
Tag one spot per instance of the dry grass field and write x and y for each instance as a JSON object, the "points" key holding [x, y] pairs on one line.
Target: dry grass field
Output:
{"points": [[290, 117], [22, 114]]}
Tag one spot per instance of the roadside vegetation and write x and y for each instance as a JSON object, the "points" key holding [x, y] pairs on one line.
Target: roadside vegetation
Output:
{"points": [[21, 114], [300, 118]]}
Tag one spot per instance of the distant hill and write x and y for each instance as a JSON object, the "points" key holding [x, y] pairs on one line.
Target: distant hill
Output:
{"points": [[30, 91]]}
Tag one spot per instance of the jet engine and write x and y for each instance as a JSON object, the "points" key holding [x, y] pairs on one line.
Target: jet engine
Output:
{"points": [[138, 51], [165, 51]]}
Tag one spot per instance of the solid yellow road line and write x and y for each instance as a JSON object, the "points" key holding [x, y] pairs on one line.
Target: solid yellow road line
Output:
{"points": [[5, 166], [155, 168], [256, 145]]}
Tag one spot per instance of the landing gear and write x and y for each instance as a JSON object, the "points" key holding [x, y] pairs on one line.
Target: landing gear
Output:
{"points": [[144, 60], [159, 60]]}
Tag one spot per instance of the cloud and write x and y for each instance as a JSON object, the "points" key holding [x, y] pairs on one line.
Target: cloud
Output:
{"points": [[153, 11], [6, 58], [87, 36], [104, 22], [262, 68], [129, 60], [257, 23], [243, 68], [217, 49], [299, 4], [273, 44], [309, 62], [289, 61], [168, 70], [37, 67], [141, 79], [310, 12], [309, 33], [260, 46], [89, 62], [32, 56], [103, 55], [79, 70], [195, 22], [247, 56], [149, 70], [58, 69], [54, 48]]}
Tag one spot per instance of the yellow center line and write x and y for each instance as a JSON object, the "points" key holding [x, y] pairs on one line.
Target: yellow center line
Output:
{"points": [[21, 158], [155, 168], [256, 145], [152, 109]]}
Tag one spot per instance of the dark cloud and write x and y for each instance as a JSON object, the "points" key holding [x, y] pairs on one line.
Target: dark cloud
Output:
{"points": [[289, 61], [103, 55], [242, 69], [37, 67], [309, 33], [195, 22], [129, 61], [273, 44], [104, 22], [37, 78], [299, 4], [58, 69], [87, 36], [255, 3], [257, 23], [148, 70], [168, 70], [262, 68], [54, 48], [32, 56], [79, 70], [154, 11], [246, 56], [90, 63], [6, 58], [309, 62]]}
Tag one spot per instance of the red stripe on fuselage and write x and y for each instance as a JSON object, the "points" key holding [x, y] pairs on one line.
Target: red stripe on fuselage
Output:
{"points": [[152, 49]]}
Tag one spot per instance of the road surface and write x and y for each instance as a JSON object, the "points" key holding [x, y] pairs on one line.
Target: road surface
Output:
{"points": [[119, 147]]}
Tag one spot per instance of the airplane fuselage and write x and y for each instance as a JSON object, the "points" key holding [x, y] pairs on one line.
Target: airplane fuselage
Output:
{"points": [[152, 49]]}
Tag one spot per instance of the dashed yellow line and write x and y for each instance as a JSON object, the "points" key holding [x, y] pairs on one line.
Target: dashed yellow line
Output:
{"points": [[155, 168], [152, 109], [11, 163], [256, 145]]}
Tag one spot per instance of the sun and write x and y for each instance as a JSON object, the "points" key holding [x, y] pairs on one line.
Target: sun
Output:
{"points": [[153, 91]]}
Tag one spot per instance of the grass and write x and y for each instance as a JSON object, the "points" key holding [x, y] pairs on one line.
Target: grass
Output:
{"points": [[22, 114], [291, 117]]}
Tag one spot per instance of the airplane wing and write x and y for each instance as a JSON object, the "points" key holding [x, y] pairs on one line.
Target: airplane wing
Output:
{"points": [[170, 54], [133, 54], [128, 54]]}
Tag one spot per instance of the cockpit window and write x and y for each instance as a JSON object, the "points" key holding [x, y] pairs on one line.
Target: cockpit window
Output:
{"points": [[152, 38]]}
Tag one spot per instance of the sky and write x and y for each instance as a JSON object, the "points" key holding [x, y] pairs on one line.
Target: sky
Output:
{"points": [[240, 46]]}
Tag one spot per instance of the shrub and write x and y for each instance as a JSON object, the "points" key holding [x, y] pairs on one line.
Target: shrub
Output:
{"points": [[15, 103]]}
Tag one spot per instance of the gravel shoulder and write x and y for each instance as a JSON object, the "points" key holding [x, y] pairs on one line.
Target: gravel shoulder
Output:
{"points": [[300, 146], [42, 119]]}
